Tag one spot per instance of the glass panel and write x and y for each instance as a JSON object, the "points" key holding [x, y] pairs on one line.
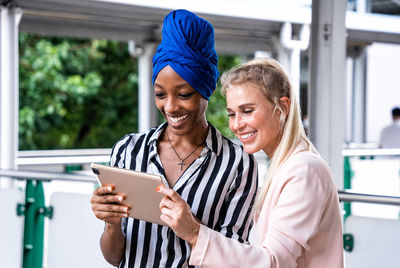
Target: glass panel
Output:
{"points": [[11, 229], [74, 233]]}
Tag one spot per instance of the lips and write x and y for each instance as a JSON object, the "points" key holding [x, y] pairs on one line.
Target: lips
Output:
{"points": [[178, 119], [247, 135]]}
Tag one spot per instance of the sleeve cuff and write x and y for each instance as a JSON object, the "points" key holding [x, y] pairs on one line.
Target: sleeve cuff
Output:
{"points": [[199, 250]]}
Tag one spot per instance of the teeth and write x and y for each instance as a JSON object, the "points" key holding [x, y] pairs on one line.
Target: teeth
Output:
{"points": [[245, 136], [177, 119]]}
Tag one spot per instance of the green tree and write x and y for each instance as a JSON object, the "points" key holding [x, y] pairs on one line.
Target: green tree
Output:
{"points": [[75, 93], [81, 93], [216, 112]]}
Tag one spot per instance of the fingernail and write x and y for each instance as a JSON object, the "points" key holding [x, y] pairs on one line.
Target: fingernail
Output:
{"points": [[120, 198], [158, 188], [109, 188], [126, 209]]}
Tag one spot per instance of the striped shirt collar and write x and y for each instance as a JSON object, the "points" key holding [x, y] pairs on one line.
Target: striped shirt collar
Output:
{"points": [[213, 140]]}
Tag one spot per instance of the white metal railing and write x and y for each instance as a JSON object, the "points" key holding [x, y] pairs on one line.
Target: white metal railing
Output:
{"points": [[73, 156], [46, 176], [344, 196], [347, 196], [82, 156], [371, 152]]}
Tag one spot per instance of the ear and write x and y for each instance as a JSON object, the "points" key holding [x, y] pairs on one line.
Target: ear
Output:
{"points": [[285, 105]]}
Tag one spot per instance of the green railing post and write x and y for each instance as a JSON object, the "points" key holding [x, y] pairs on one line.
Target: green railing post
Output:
{"points": [[34, 212], [39, 226], [72, 168], [29, 224], [348, 174]]}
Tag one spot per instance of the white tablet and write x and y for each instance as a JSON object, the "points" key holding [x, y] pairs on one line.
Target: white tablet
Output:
{"points": [[138, 187]]}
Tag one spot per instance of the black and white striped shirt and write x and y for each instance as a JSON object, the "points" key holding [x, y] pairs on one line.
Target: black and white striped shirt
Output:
{"points": [[219, 186]]}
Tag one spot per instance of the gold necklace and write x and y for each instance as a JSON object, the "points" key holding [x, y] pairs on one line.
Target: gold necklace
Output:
{"points": [[182, 159]]}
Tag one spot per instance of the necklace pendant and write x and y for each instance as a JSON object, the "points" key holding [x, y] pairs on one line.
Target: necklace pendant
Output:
{"points": [[181, 164]]}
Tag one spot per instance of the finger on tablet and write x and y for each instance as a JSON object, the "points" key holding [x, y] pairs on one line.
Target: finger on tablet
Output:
{"points": [[102, 190], [113, 208], [174, 196], [106, 215], [166, 202]]}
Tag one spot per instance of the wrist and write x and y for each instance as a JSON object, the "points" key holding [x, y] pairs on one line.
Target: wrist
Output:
{"points": [[195, 235], [112, 226]]}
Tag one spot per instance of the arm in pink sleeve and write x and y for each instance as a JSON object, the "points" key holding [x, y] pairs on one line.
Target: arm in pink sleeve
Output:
{"points": [[293, 221], [213, 249]]}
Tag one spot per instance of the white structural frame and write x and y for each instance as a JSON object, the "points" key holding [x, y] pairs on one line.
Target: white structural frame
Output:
{"points": [[236, 31], [358, 113], [295, 47], [147, 108], [327, 82], [9, 21]]}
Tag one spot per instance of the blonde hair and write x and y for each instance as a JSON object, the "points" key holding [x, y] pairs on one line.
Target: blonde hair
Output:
{"points": [[270, 78]]}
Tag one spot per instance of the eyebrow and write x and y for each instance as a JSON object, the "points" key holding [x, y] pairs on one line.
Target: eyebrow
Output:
{"points": [[242, 105], [177, 87], [246, 104]]}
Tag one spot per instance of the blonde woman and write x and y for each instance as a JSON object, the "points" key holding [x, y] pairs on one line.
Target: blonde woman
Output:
{"points": [[297, 215]]}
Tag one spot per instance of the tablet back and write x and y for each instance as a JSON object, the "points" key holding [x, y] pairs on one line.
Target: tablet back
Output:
{"points": [[138, 187]]}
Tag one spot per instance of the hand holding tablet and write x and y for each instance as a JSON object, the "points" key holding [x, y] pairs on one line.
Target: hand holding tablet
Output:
{"points": [[138, 189]]}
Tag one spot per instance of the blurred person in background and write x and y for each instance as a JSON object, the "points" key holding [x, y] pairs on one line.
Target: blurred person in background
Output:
{"points": [[390, 135]]}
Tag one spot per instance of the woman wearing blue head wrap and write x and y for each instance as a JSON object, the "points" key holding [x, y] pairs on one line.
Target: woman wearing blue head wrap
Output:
{"points": [[215, 177], [187, 47]]}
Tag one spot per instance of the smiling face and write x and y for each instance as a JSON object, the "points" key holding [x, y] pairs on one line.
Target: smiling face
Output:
{"points": [[180, 104], [252, 118]]}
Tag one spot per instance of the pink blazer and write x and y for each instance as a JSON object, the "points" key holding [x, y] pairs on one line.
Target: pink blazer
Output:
{"points": [[299, 224]]}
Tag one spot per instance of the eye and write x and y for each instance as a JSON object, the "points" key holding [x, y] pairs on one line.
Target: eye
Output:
{"points": [[231, 114], [185, 95], [159, 95], [247, 111]]}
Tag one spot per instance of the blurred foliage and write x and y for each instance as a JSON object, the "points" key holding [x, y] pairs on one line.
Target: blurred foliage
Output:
{"points": [[81, 93], [216, 112], [75, 93]]}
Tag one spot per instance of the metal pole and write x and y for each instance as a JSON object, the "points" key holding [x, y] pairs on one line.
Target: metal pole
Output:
{"points": [[348, 174], [9, 21], [295, 46], [147, 108], [369, 198], [359, 111], [29, 225], [34, 212], [371, 152], [46, 176], [39, 225], [327, 82]]}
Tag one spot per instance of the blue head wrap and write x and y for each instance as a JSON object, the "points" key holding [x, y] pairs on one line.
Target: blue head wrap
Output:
{"points": [[188, 47]]}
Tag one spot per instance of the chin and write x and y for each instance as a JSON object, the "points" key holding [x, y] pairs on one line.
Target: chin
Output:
{"points": [[251, 149], [181, 130]]}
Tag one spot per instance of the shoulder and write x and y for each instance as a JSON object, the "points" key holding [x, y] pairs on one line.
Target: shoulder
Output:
{"points": [[132, 141], [387, 128], [309, 172], [231, 147], [131, 138], [394, 127]]}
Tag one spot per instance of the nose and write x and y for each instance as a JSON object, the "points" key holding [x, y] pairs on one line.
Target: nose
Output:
{"points": [[237, 123], [170, 105]]}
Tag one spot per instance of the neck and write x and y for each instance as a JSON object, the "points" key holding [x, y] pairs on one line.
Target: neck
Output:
{"points": [[271, 151], [195, 137]]}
